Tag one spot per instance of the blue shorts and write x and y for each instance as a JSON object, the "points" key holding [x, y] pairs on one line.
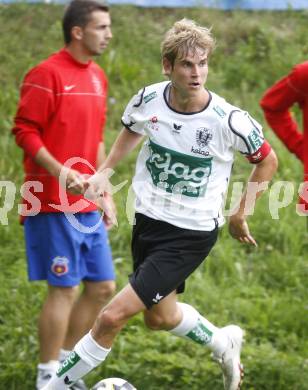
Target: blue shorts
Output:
{"points": [[63, 255]]}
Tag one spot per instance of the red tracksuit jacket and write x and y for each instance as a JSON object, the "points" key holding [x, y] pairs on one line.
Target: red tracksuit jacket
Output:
{"points": [[276, 104], [62, 107]]}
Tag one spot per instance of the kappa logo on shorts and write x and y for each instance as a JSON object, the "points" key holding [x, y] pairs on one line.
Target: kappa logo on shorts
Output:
{"points": [[60, 265]]}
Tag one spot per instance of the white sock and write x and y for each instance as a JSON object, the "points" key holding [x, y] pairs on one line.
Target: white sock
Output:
{"points": [[64, 353], [200, 330], [86, 355], [52, 365]]}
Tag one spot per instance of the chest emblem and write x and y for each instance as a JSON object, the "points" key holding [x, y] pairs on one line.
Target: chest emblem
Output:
{"points": [[97, 85], [203, 136]]}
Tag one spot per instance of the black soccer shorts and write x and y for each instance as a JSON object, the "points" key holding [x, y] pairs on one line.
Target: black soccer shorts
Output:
{"points": [[164, 256]]}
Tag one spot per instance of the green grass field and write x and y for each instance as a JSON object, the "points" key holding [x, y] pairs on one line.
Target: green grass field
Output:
{"points": [[262, 289]]}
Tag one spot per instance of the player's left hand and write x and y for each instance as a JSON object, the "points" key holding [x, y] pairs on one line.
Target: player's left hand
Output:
{"points": [[238, 228]]}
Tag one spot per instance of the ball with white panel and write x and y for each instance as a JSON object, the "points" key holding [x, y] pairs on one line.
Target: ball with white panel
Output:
{"points": [[113, 384]]}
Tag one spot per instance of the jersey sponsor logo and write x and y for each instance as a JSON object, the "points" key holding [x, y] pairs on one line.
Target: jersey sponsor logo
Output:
{"points": [[255, 140], [203, 136], [200, 151], [219, 111], [69, 87], [157, 298], [60, 266], [150, 97], [178, 173]]}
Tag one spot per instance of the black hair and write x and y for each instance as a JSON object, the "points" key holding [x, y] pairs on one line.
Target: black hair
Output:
{"points": [[78, 13]]}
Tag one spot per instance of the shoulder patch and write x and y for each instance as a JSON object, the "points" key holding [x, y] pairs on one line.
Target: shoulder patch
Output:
{"points": [[150, 97], [219, 111]]}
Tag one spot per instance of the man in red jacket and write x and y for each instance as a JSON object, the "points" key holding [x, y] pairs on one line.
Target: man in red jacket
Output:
{"points": [[59, 125], [276, 103]]}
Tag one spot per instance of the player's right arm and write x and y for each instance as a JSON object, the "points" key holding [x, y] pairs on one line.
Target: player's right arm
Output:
{"points": [[97, 188], [277, 102], [125, 143], [130, 136]]}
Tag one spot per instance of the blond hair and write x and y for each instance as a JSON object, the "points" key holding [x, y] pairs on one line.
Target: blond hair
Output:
{"points": [[186, 36]]}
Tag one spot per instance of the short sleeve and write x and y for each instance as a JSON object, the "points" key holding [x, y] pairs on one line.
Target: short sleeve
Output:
{"points": [[246, 133], [133, 116]]}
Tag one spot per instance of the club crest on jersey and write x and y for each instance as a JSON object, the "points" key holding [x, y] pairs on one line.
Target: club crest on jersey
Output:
{"points": [[60, 265], [97, 85], [203, 136]]}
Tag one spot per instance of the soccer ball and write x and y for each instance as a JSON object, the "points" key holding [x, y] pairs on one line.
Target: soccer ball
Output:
{"points": [[113, 384]]}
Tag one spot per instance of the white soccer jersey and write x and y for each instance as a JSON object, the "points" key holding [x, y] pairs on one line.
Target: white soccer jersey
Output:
{"points": [[184, 166]]}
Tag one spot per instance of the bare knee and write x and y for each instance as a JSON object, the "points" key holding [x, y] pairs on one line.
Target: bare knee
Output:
{"points": [[155, 321], [110, 320], [61, 294], [106, 291], [100, 292]]}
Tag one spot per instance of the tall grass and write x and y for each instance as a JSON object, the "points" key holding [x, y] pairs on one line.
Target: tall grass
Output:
{"points": [[263, 289]]}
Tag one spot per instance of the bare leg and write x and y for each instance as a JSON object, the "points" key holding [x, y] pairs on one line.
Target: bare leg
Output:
{"points": [[85, 310], [94, 347], [53, 320], [165, 315], [115, 315]]}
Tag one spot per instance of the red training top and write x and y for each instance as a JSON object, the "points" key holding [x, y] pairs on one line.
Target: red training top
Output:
{"points": [[62, 107], [276, 104]]}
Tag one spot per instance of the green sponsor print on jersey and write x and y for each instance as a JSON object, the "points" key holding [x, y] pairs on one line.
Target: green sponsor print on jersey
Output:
{"points": [[68, 363], [200, 334], [178, 173], [255, 140], [150, 96], [219, 111]]}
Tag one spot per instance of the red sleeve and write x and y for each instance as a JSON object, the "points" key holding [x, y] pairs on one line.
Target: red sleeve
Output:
{"points": [[276, 104], [37, 101]]}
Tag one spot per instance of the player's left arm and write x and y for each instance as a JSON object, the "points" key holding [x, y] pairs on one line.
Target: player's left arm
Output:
{"points": [[247, 137], [262, 172]]}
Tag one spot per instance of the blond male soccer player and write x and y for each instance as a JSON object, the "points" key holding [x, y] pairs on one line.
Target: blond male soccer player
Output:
{"points": [[182, 174], [61, 115]]}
